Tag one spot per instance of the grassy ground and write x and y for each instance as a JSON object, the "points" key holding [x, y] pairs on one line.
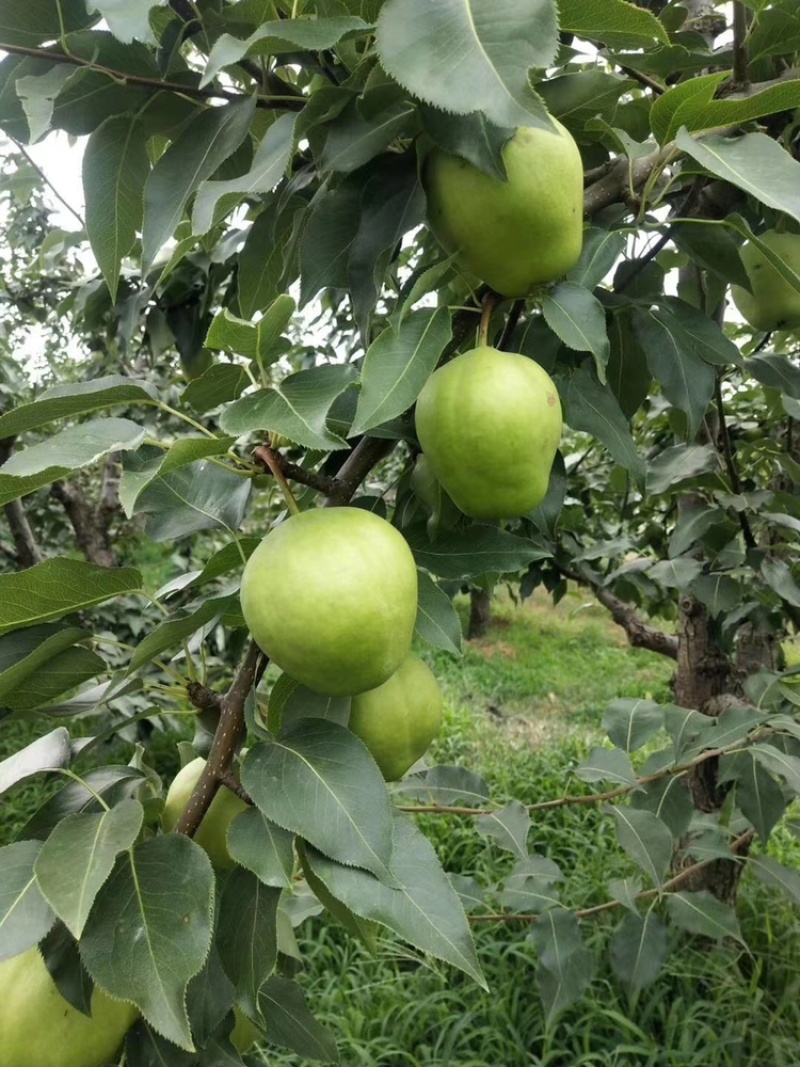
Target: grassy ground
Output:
{"points": [[523, 706]]}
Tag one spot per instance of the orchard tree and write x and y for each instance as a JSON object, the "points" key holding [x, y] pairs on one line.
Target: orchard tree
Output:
{"points": [[389, 244]]}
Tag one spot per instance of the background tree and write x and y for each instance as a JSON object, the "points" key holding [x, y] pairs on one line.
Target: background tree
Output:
{"points": [[254, 208]]}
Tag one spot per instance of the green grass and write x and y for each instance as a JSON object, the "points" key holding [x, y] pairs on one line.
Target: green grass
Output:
{"points": [[523, 707]]}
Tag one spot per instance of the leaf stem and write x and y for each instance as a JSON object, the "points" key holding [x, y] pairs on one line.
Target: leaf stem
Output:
{"points": [[490, 302], [269, 457]]}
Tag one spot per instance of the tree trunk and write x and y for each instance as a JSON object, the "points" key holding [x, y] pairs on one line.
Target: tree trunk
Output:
{"points": [[480, 613]]}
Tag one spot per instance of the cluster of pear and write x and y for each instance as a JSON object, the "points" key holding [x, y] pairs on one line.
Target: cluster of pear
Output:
{"points": [[489, 422]]}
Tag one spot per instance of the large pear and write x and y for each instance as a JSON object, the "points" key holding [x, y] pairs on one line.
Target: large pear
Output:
{"points": [[398, 720], [213, 832], [38, 1028], [490, 423], [518, 233], [331, 597], [774, 303]]}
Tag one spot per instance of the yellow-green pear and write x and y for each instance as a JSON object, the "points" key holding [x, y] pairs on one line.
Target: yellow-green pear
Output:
{"points": [[774, 303], [331, 597], [489, 423], [398, 720], [213, 831], [38, 1028], [518, 233]]}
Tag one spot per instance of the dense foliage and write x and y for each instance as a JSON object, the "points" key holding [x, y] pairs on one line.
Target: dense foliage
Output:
{"points": [[240, 328]]}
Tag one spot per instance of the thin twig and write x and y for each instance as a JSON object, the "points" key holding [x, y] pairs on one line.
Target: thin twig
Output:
{"points": [[321, 482], [32, 163], [644, 79], [511, 324], [741, 63], [286, 102]]}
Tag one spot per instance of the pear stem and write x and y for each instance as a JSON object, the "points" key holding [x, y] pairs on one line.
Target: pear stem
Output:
{"points": [[490, 302]]}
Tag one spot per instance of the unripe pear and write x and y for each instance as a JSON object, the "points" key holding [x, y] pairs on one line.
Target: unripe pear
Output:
{"points": [[38, 1028], [213, 831], [398, 720], [489, 423], [518, 233], [774, 303], [331, 597]]}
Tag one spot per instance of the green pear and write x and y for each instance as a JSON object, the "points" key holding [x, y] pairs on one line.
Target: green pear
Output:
{"points": [[398, 720], [213, 831], [518, 233], [38, 1028], [489, 423], [331, 597], [774, 303]]}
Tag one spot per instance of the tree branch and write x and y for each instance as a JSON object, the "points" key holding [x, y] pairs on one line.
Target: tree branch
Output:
{"points": [[724, 445], [294, 472], [741, 64], [368, 452], [90, 526], [640, 634], [25, 544], [623, 174], [228, 736], [290, 101]]}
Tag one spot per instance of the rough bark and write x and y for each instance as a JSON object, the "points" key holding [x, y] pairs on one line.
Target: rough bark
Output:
{"points": [[25, 544], [480, 613], [91, 525]]}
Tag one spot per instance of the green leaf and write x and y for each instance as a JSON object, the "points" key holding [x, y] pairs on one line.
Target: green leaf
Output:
{"points": [[719, 592], [25, 916], [209, 998], [113, 784], [198, 496], [470, 55], [712, 247], [360, 928], [59, 675], [283, 35], [530, 886], [327, 240], [247, 935], [758, 795], [173, 632], [262, 847], [78, 858], [686, 379], [577, 317], [58, 587], [38, 94], [291, 1025], [600, 253], [776, 372], [565, 965], [592, 408], [75, 447], [627, 373], [630, 723], [607, 765], [266, 255], [645, 838], [219, 384], [205, 144], [26, 651], [778, 576], [216, 198], [423, 908], [397, 365], [614, 22], [149, 931], [472, 137], [679, 464], [675, 573], [478, 549], [698, 110], [32, 22], [115, 169], [318, 780], [127, 19], [770, 872], [692, 524], [438, 622], [445, 786], [354, 138], [701, 913], [639, 948], [784, 765], [298, 407], [752, 162], [67, 401], [46, 753], [257, 341], [669, 800], [509, 827]]}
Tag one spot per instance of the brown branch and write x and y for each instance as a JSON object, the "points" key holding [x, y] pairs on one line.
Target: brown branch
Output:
{"points": [[27, 549], [724, 445], [90, 526], [229, 734], [289, 102], [622, 175], [670, 886], [644, 79], [368, 452], [293, 471], [741, 63]]}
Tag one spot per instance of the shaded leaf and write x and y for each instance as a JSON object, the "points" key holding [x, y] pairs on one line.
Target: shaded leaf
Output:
{"points": [[197, 496], [438, 622], [565, 965], [630, 723], [509, 827], [291, 1025], [25, 915], [531, 885], [575, 315], [67, 401], [639, 948], [645, 838], [607, 765], [262, 847], [703, 914], [247, 935], [592, 408], [476, 550], [44, 754]]}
